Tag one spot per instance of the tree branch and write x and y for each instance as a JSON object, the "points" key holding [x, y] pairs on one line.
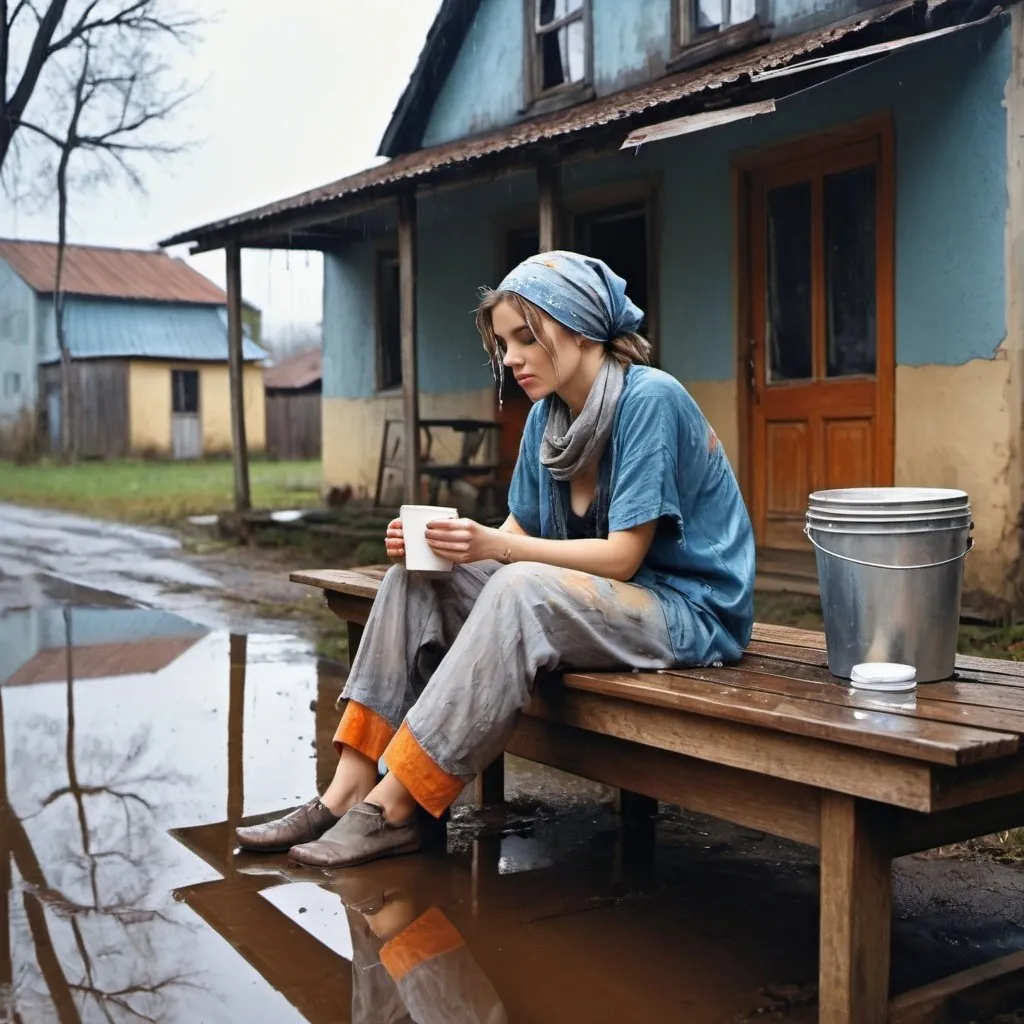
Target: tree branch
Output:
{"points": [[15, 109]]}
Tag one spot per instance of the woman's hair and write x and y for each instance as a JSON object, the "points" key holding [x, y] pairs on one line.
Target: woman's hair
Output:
{"points": [[625, 349]]}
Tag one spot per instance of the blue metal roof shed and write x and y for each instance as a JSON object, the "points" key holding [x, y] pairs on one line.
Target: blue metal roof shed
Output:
{"points": [[118, 328]]}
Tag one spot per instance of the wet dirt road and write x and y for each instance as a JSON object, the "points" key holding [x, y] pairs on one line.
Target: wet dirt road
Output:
{"points": [[135, 736]]}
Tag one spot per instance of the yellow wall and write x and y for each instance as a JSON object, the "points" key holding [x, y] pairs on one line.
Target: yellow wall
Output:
{"points": [[149, 406], [954, 428], [353, 428], [717, 400]]}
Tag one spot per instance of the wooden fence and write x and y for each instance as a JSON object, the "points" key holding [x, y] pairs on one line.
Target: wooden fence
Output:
{"points": [[293, 425]]}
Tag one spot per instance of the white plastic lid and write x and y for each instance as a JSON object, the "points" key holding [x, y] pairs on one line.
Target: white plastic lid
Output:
{"points": [[883, 675], [884, 672]]}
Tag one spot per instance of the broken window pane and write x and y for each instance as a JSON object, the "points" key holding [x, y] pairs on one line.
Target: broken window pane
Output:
{"points": [[789, 349], [563, 55], [552, 10], [716, 15], [850, 218]]}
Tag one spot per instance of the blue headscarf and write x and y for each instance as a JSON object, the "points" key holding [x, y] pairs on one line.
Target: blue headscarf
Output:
{"points": [[580, 292]]}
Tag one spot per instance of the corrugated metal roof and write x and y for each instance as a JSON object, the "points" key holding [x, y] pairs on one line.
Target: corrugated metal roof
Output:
{"points": [[107, 329], [427, 164], [110, 273], [298, 371]]}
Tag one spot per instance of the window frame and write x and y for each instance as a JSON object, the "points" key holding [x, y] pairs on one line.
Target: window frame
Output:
{"points": [[12, 384], [174, 391], [536, 99], [695, 48], [382, 257]]}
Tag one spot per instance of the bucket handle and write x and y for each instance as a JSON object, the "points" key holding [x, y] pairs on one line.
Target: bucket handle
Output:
{"points": [[878, 565]]}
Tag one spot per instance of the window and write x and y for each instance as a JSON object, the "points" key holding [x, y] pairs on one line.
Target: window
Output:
{"points": [[389, 323], [12, 384], [558, 41], [185, 392], [705, 29]]}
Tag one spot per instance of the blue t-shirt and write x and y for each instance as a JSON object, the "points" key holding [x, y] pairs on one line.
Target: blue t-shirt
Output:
{"points": [[665, 463]]}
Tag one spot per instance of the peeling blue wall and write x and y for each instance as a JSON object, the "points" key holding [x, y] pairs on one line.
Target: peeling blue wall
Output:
{"points": [[484, 88], [951, 204], [632, 42], [458, 250]]}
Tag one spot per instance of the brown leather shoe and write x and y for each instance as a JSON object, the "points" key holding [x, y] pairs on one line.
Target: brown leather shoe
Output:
{"points": [[303, 825], [362, 835]]}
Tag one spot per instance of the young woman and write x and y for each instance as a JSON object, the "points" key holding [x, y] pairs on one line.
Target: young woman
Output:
{"points": [[627, 544]]}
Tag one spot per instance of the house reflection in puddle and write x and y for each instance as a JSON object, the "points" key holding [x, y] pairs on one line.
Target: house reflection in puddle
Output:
{"points": [[114, 724]]}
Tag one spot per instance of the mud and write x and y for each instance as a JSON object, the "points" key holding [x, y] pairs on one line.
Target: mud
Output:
{"points": [[139, 723]]}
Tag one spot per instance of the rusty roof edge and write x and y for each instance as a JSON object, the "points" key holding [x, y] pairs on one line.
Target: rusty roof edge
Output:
{"points": [[552, 128]]}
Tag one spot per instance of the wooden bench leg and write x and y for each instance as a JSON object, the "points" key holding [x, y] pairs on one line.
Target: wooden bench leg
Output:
{"points": [[635, 807], [489, 787], [856, 907]]}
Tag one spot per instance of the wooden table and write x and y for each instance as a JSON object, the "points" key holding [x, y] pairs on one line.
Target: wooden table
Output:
{"points": [[473, 431], [777, 744]]}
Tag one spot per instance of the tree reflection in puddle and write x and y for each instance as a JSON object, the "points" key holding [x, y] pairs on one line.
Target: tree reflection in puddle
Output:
{"points": [[111, 728]]}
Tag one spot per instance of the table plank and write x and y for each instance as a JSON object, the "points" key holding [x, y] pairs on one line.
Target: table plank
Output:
{"points": [[768, 633], [969, 668], [341, 581], [916, 738], [982, 705], [871, 774]]}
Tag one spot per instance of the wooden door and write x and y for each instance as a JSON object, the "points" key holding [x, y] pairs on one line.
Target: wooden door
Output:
{"points": [[822, 364]]}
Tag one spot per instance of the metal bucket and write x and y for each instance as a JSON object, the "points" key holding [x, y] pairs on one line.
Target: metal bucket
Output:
{"points": [[890, 576]]}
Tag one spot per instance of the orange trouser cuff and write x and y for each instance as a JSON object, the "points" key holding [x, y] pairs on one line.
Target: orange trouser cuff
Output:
{"points": [[363, 730], [428, 936], [431, 787]]}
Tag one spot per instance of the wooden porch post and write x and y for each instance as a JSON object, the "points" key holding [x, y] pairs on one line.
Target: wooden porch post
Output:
{"points": [[243, 501], [407, 299], [549, 203]]}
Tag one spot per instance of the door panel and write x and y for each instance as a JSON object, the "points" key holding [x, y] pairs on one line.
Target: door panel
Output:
{"points": [[788, 461], [822, 359], [186, 436], [849, 453]]}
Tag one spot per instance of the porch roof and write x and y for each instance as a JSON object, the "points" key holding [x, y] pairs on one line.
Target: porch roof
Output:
{"points": [[284, 220]]}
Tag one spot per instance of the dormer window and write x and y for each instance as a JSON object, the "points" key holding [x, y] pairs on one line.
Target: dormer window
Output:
{"points": [[558, 52], [705, 29]]}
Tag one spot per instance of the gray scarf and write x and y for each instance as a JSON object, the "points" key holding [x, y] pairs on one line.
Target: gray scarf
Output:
{"points": [[568, 448]]}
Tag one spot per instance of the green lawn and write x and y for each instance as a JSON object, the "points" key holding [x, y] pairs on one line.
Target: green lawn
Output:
{"points": [[156, 492]]}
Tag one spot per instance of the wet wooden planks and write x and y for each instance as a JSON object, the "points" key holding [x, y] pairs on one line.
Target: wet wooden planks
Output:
{"points": [[766, 636], [783, 683], [802, 709]]}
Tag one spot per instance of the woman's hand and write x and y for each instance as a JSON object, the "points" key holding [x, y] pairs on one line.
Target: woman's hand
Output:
{"points": [[461, 540], [394, 541]]}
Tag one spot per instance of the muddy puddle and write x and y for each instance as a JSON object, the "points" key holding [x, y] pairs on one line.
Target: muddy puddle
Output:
{"points": [[134, 741]]}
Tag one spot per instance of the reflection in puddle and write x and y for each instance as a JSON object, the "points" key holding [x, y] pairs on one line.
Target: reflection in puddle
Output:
{"points": [[133, 742], [113, 721]]}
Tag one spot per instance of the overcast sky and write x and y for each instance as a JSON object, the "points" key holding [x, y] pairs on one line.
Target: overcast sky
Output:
{"points": [[296, 95]]}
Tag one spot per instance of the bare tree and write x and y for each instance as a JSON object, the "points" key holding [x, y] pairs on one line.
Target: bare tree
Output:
{"points": [[36, 36], [107, 86]]}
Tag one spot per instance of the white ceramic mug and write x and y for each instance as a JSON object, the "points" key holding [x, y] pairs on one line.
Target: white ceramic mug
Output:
{"points": [[418, 554]]}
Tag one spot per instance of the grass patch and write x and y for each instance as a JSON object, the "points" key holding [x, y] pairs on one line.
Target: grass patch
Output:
{"points": [[143, 491]]}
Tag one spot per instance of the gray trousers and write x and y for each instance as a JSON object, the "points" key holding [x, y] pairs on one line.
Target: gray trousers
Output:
{"points": [[454, 656]]}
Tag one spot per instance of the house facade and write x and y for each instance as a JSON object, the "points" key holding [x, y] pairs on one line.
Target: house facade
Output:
{"points": [[148, 340], [824, 222]]}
